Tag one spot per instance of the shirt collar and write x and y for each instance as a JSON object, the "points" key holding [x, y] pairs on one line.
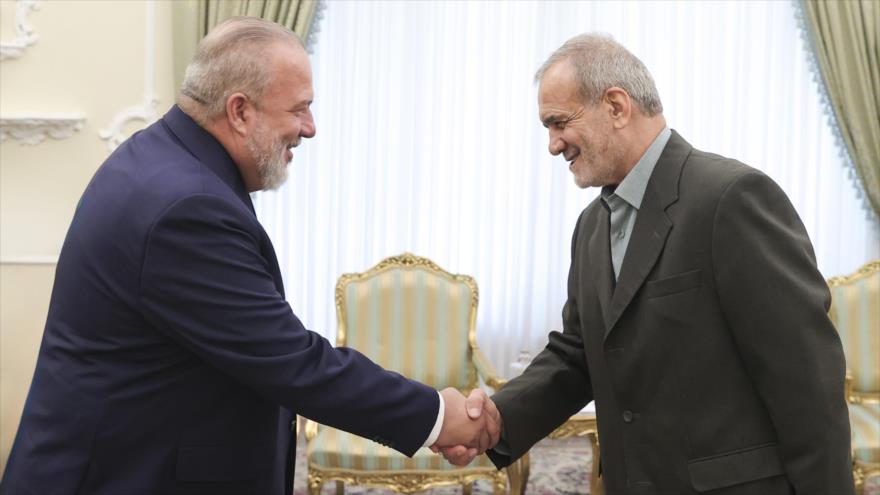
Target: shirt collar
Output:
{"points": [[632, 188]]}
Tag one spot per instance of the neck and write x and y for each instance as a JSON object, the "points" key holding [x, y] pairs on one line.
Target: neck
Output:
{"points": [[231, 142], [643, 132]]}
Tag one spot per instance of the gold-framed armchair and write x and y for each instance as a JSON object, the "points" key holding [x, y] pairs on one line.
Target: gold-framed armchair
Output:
{"points": [[855, 311], [411, 316]]}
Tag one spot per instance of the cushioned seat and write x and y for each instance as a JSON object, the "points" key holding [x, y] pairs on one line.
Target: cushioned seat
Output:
{"points": [[865, 423], [332, 448]]}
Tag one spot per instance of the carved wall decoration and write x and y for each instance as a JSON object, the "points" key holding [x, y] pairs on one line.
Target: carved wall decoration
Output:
{"points": [[146, 111], [32, 130], [24, 33]]}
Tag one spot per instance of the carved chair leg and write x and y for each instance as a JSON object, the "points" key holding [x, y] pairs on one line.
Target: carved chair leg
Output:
{"points": [[513, 477], [524, 473], [858, 478], [518, 473], [315, 483], [597, 487], [340, 487], [499, 484]]}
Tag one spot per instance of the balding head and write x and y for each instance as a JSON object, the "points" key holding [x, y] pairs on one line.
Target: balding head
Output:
{"points": [[230, 59], [601, 63]]}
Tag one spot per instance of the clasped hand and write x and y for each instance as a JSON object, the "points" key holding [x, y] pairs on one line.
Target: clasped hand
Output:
{"points": [[471, 426]]}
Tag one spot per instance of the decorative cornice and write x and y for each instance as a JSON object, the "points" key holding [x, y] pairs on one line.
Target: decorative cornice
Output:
{"points": [[33, 130], [24, 33]]}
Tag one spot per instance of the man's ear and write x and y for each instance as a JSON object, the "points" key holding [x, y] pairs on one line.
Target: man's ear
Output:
{"points": [[239, 112], [619, 106]]}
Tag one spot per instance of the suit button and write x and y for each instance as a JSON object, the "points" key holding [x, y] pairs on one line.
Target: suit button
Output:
{"points": [[628, 416]]}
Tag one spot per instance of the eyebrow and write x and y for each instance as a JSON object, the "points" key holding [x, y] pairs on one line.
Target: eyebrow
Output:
{"points": [[550, 120], [302, 104]]}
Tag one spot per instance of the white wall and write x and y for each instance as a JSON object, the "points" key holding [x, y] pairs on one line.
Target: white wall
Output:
{"points": [[89, 60]]}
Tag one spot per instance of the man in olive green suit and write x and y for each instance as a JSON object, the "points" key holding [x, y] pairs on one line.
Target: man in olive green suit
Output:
{"points": [[696, 317]]}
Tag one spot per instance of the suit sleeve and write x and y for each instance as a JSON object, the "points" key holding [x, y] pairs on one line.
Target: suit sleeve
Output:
{"points": [[205, 284], [776, 303], [553, 387]]}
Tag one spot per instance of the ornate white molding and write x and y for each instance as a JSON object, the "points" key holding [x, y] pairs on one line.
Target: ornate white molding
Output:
{"points": [[33, 130], [146, 111], [29, 260], [24, 33]]}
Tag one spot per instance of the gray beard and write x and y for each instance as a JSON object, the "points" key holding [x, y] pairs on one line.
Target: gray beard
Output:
{"points": [[269, 155]]}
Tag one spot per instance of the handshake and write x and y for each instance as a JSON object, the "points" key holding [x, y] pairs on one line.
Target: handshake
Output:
{"points": [[471, 426]]}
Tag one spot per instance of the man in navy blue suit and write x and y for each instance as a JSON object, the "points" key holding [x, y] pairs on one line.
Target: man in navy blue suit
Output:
{"points": [[171, 362]]}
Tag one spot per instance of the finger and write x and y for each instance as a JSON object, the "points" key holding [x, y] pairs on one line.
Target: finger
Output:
{"points": [[434, 448], [493, 428], [463, 458], [466, 458], [490, 408], [474, 403], [457, 455], [494, 421], [485, 440], [456, 451]]}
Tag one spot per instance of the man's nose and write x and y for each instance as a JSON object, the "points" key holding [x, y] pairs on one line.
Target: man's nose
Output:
{"points": [[308, 126], [556, 144]]}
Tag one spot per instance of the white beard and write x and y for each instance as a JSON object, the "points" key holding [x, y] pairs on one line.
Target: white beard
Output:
{"points": [[271, 157]]}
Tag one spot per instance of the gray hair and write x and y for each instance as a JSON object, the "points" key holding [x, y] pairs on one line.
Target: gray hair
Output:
{"points": [[601, 63], [229, 59]]}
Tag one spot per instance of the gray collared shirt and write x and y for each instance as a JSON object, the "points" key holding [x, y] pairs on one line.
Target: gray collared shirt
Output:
{"points": [[624, 201]]}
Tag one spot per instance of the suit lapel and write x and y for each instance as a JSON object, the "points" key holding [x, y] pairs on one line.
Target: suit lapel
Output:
{"points": [[651, 229], [599, 249]]}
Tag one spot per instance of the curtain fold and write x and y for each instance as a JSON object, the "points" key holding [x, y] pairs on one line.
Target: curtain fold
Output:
{"points": [[192, 19], [428, 141], [844, 36], [294, 14]]}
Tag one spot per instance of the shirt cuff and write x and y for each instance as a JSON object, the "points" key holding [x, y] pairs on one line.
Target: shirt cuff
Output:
{"points": [[435, 432]]}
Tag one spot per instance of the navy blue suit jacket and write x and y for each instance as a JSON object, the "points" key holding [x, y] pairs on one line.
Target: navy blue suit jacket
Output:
{"points": [[171, 362]]}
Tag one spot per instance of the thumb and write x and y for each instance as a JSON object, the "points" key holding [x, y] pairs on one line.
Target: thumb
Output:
{"points": [[474, 403]]}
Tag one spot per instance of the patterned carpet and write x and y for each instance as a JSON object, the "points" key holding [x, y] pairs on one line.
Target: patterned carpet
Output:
{"points": [[558, 467]]}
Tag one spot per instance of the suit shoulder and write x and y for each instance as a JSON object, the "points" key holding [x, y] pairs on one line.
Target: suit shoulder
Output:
{"points": [[714, 174], [152, 171]]}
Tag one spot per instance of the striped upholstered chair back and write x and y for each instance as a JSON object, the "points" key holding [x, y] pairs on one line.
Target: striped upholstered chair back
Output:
{"points": [[411, 316], [855, 311]]}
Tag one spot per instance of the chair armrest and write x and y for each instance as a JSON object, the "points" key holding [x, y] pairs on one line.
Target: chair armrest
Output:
{"points": [[847, 386], [486, 370], [311, 428]]}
